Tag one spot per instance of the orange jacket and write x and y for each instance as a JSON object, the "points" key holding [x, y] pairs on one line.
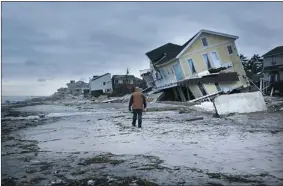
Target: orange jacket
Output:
{"points": [[137, 101]]}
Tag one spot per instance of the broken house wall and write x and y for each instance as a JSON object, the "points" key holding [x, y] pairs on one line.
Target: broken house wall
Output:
{"points": [[240, 103], [168, 74], [210, 88], [195, 90]]}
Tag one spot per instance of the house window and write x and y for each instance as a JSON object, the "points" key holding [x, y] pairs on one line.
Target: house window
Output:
{"points": [[164, 73], [230, 50], [192, 66], [207, 62], [104, 83], [204, 42], [217, 87], [116, 81], [273, 77]]}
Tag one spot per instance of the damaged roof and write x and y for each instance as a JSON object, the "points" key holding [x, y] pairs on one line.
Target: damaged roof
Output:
{"points": [[164, 53], [276, 51], [170, 51]]}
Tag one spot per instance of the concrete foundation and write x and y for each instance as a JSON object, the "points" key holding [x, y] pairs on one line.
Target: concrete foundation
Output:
{"points": [[240, 103]]}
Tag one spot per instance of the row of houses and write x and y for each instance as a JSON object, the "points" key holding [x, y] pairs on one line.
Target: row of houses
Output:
{"points": [[104, 84], [207, 64]]}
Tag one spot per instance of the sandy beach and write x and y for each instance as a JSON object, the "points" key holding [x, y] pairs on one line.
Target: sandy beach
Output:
{"points": [[83, 143]]}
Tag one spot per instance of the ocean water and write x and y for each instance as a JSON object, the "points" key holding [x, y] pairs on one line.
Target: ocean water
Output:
{"points": [[14, 99]]}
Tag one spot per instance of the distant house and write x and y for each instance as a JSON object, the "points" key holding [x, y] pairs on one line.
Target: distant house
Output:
{"points": [[77, 88], [273, 64], [273, 67], [100, 84], [62, 90], [124, 84]]}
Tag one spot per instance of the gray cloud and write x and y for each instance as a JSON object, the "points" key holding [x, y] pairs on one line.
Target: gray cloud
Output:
{"points": [[80, 39], [31, 63], [41, 80]]}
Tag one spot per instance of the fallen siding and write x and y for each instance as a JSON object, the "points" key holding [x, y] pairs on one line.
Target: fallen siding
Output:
{"points": [[240, 103]]}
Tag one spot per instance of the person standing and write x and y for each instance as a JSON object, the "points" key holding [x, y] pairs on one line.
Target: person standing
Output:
{"points": [[138, 104]]}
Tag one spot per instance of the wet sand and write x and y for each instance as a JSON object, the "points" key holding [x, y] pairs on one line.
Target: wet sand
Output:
{"points": [[95, 144]]}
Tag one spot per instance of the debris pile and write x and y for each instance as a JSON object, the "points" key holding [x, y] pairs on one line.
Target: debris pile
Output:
{"points": [[205, 106], [101, 98]]}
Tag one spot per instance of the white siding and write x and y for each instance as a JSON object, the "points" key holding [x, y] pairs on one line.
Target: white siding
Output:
{"points": [[103, 83], [168, 75]]}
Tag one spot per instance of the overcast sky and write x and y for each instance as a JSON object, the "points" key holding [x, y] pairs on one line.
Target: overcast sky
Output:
{"points": [[45, 44]]}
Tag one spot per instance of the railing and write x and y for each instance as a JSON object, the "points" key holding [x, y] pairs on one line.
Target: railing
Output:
{"points": [[166, 82], [264, 85]]}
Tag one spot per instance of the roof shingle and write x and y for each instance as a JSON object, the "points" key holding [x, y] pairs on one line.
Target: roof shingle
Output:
{"points": [[275, 51], [166, 52]]}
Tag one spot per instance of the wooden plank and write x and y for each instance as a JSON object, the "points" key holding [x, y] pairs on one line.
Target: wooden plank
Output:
{"points": [[194, 119], [187, 90]]}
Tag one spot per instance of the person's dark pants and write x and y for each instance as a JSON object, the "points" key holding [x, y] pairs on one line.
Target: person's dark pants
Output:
{"points": [[137, 114]]}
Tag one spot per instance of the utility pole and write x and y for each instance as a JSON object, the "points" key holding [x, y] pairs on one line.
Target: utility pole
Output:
{"points": [[127, 73]]}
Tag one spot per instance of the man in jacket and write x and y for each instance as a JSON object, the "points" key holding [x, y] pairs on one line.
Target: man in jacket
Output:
{"points": [[138, 103]]}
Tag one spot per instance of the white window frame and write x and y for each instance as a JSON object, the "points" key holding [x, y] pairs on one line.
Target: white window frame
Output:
{"points": [[218, 56], [210, 60], [206, 41]]}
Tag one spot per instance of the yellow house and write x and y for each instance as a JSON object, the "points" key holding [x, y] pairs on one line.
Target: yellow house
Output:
{"points": [[206, 64]]}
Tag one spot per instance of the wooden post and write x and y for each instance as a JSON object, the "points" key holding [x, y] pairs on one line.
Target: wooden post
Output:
{"points": [[271, 91], [183, 98], [260, 85], [187, 90], [175, 93]]}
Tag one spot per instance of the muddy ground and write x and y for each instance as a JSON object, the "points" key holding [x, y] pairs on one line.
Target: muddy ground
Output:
{"points": [[94, 144]]}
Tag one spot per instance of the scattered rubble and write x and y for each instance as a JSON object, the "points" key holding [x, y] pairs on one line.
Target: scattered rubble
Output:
{"points": [[90, 182], [205, 106]]}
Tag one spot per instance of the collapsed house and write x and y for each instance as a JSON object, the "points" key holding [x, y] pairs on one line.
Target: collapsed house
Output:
{"points": [[207, 64]]}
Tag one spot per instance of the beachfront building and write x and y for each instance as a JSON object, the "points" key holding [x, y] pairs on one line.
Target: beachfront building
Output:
{"points": [[100, 84], [207, 64]]}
